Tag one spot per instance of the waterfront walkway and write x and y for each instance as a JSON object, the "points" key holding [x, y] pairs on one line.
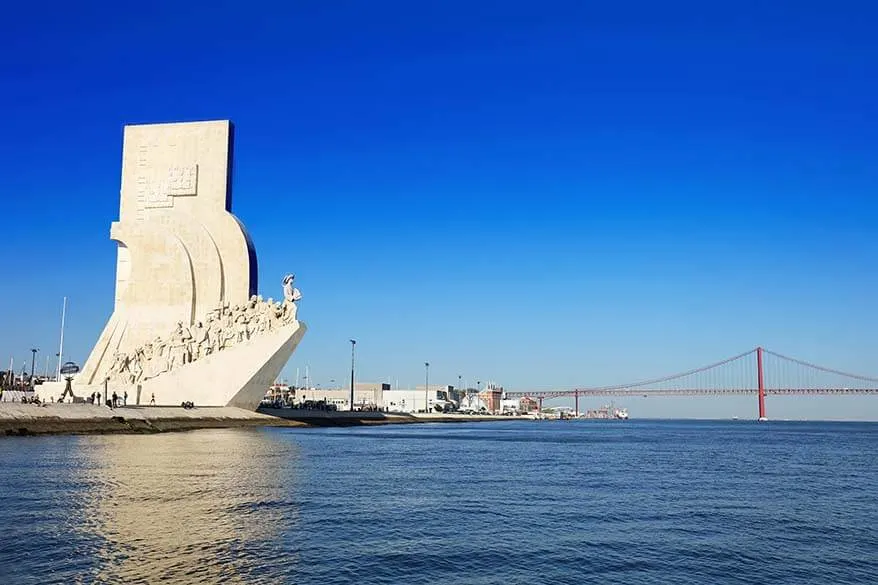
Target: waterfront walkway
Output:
{"points": [[54, 418], [26, 419]]}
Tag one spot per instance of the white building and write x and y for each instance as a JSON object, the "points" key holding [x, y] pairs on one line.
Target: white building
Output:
{"points": [[367, 396], [380, 396], [472, 402], [511, 405], [414, 400]]}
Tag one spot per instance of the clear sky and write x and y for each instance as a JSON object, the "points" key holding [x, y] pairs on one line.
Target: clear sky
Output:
{"points": [[547, 194]]}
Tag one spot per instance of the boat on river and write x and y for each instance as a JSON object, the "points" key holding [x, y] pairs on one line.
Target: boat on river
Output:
{"points": [[606, 412]]}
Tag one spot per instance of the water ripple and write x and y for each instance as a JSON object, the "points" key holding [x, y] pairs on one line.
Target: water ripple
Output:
{"points": [[643, 502]]}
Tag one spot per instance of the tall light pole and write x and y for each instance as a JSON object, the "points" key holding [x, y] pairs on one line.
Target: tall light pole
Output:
{"points": [[426, 387], [61, 346], [33, 361], [353, 348]]}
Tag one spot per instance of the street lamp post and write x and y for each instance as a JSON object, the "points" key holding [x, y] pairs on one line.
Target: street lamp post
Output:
{"points": [[426, 387], [353, 346], [33, 361], [61, 346]]}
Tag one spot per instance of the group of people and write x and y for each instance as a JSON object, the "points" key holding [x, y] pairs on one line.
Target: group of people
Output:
{"points": [[223, 328], [113, 401]]}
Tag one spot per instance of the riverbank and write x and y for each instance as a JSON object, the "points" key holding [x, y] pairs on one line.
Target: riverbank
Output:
{"points": [[324, 418], [18, 419], [32, 419]]}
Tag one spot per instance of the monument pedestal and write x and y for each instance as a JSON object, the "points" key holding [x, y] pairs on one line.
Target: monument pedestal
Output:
{"points": [[238, 376]]}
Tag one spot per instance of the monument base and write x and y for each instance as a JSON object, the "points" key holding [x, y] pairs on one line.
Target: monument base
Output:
{"points": [[237, 376]]}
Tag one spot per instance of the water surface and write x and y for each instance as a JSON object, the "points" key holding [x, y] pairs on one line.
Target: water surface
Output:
{"points": [[520, 502]]}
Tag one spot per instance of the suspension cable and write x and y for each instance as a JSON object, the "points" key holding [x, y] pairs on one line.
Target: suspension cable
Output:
{"points": [[674, 376], [821, 368]]}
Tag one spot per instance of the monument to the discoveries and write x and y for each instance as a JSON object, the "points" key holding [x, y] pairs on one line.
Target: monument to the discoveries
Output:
{"points": [[187, 323]]}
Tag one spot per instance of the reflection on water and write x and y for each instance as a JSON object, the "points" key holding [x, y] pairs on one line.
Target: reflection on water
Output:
{"points": [[200, 507], [172, 502]]}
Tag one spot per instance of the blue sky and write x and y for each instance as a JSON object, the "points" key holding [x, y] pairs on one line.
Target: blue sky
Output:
{"points": [[550, 194]]}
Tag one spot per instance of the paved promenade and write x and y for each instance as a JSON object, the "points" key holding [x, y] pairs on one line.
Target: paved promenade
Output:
{"points": [[26, 419], [32, 419]]}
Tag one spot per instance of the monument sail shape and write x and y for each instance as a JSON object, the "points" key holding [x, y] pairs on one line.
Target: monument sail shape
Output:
{"points": [[187, 324]]}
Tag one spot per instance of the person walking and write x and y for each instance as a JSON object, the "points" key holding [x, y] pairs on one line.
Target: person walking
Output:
{"points": [[115, 400], [152, 400]]}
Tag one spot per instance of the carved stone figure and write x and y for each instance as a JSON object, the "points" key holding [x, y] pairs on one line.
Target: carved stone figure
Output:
{"points": [[291, 296], [187, 344], [290, 292], [176, 348], [278, 312], [149, 363], [115, 366], [215, 334], [120, 371], [242, 321], [136, 366], [160, 356], [200, 341], [228, 329]]}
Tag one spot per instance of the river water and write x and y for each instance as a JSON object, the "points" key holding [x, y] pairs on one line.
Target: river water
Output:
{"points": [[637, 502]]}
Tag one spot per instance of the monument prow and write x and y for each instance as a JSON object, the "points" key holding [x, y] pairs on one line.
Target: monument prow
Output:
{"points": [[187, 324], [237, 377]]}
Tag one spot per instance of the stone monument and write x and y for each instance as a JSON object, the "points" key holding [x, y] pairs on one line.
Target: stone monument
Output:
{"points": [[188, 324]]}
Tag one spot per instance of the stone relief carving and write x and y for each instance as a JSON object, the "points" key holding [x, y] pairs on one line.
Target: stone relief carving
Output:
{"points": [[183, 181], [179, 182], [223, 328]]}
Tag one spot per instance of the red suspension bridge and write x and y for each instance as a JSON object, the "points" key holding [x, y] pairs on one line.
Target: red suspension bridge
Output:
{"points": [[759, 371]]}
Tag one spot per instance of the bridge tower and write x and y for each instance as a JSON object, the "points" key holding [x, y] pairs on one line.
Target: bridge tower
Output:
{"points": [[760, 380]]}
